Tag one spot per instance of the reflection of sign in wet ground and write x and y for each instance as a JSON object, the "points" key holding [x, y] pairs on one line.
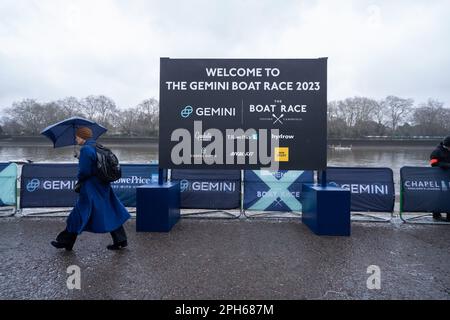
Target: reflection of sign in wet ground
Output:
{"points": [[243, 113]]}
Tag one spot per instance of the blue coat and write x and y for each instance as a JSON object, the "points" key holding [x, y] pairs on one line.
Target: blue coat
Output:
{"points": [[98, 209]]}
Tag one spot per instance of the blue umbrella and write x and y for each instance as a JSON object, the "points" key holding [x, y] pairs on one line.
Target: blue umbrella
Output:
{"points": [[63, 133]]}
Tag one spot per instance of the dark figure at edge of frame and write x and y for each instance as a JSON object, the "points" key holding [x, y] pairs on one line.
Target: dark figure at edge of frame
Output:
{"points": [[97, 209], [440, 157]]}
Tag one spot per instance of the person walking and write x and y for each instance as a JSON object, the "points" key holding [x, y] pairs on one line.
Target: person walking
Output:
{"points": [[440, 157], [97, 209]]}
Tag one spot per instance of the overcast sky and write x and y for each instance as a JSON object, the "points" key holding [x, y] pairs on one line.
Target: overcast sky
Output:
{"points": [[50, 49]]}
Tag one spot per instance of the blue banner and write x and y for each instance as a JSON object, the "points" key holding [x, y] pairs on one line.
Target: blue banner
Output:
{"points": [[8, 184], [209, 189], [51, 184], [372, 189], [274, 190], [425, 189]]}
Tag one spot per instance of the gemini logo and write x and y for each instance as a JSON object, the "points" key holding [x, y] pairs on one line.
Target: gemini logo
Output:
{"points": [[33, 185], [187, 111], [184, 185], [207, 186], [355, 188]]}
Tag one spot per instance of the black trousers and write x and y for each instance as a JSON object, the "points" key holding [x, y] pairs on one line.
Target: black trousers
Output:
{"points": [[69, 238], [119, 235]]}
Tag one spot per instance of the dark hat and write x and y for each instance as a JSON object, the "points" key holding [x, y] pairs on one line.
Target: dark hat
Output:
{"points": [[446, 141], [84, 133]]}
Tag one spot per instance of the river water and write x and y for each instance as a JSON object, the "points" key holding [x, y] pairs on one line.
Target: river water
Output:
{"points": [[391, 157]]}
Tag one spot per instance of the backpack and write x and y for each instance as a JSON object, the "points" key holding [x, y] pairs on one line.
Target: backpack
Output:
{"points": [[108, 167]]}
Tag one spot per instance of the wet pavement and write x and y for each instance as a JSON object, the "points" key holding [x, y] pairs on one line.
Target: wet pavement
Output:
{"points": [[227, 259]]}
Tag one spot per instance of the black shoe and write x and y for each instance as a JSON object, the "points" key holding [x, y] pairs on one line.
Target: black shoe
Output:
{"points": [[60, 245], [437, 216], [117, 246]]}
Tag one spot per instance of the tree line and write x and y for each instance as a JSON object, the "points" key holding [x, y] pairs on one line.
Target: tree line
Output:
{"points": [[29, 117], [361, 117], [356, 117]]}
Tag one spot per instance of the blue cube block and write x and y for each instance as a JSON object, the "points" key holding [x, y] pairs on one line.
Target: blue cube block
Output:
{"points": [[157, 207], [326, 209]]}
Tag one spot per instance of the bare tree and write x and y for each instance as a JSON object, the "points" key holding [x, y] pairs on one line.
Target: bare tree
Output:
{"points": [[336, 125], [380, 117], [127, 122], [352, 115], [431, 118], [148, 121], [71, 106], [29, 115], [397, 110], [149, 107], [32, 116], [100, 109], [11, 126]]}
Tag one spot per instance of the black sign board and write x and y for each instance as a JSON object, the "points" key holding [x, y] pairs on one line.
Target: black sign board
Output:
{"points": [[243, 113]]}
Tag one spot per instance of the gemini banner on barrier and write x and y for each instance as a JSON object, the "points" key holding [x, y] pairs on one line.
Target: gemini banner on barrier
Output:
{"points": [[243, 113], [51, 185], [208, 189], [8, 184], [48, 185], [372, 189], [425, 189], [274, 191]]}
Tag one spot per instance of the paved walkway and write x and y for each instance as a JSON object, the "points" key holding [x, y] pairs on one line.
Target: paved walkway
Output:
{"points": [[239, 259]]}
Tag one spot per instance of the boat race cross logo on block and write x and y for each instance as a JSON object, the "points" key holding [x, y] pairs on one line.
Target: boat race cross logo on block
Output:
{"points": [[243, 114]]}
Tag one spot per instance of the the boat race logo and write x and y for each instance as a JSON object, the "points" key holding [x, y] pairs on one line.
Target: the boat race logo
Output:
{"points": [[278, 113], [243, 114]]}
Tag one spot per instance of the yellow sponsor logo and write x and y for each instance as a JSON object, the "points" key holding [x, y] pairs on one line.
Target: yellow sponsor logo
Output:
{"points": [[282, 154]]}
